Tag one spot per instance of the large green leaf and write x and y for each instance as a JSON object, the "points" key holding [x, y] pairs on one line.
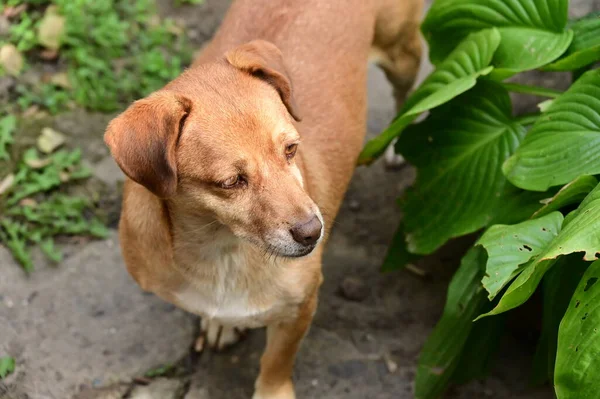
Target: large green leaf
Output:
{"points": [[533, 31], [580, 233], [481, 347], [509, 247], [565, 141], [578, 354], [457, 74], [517, 205], [585, 47], [443, 350], [558, 287], [570, 194], [459, 182]]}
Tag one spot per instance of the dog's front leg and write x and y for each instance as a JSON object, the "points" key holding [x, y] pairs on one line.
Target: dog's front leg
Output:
{"points": [[277, 362]]}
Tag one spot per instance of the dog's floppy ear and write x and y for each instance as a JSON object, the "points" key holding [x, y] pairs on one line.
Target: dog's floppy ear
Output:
{"points": [[143, 140], [264, 60]]}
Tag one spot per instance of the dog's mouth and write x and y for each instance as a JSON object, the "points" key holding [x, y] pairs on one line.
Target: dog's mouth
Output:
{"points": [[289, 252]]}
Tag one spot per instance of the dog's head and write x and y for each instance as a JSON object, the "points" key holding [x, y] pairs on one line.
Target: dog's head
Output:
{"points": [[221, 139]]}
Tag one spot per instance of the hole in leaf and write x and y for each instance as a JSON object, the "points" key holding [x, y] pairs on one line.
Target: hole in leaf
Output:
{"points": [[527, 247], [584, 316], [544, 229], [577, 303], [590, 283]]}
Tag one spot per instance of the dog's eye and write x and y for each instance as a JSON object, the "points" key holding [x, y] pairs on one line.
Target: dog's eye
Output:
{"points": [[290, 150], [234, 181]]}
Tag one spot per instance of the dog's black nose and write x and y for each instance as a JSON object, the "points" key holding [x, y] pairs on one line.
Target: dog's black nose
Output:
{"points": [[307, 233]]}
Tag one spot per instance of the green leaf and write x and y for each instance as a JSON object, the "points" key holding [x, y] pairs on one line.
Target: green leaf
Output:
{"points": [[7, 366], [457, 74], [585, 47], [524, 49], [509, 247], [443, 349], [517, 205], [532, 32], [377, 146], [482, 346], [50, 250], [572, 193], [397, 256], [159, 371], [565, 142], [558, 287], [459, 180], [578, 354], [580, 233], [14, 236], [8, 125]]}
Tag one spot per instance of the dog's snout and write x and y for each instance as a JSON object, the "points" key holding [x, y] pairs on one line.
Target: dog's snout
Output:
{"points": [[307, 233]]}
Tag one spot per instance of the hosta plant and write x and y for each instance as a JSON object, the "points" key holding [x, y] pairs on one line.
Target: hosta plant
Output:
{"points": [[527, 183]]}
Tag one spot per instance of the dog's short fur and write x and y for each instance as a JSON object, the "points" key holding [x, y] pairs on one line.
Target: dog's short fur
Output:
{"points": [[221, 216]]}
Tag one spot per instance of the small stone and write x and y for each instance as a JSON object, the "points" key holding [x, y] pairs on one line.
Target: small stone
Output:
{"points": [[50, 140], [314, 382], [11, 59], [391, 365], [354, 289]]}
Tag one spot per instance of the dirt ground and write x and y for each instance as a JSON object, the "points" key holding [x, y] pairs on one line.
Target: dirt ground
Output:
{"points": [[84, 330]]}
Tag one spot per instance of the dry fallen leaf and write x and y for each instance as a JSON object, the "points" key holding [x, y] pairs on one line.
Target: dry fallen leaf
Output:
{"points": [[51, 29], [50, 140], [49, 55], [11, 60], [61, 79], [6, 183], [37, 163], [29, 202], [12, 12]]}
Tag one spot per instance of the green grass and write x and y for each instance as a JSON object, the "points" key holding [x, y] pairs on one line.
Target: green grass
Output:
{"points": [[112, 52], [7, 366]]}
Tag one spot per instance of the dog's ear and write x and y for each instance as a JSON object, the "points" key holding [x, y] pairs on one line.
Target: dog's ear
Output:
{"points": [[143, 140], [264, 60]]}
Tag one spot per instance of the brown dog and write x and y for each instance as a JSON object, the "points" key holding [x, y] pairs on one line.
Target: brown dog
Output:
{"points": [[228, 197]]}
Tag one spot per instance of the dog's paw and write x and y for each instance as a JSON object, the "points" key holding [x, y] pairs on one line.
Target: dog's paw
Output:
{"points": [[391, 159], [285, 391], [217, 336]]}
